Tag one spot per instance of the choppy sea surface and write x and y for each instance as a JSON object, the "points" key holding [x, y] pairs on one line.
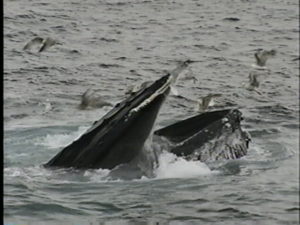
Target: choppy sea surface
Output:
{"points": [[111, 45]]}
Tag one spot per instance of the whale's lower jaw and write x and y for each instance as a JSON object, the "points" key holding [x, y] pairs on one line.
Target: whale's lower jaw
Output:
{"points": [[206, 137], [226, 147], [118, 138]]}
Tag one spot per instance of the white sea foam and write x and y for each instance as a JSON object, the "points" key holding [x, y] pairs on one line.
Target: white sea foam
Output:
{"points": [[60, 140], [98, 175], [28, 173], [171, 166]]}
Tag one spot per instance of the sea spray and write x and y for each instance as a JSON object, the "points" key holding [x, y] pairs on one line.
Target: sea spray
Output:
{"points": [[171, 166], [60, 140]]}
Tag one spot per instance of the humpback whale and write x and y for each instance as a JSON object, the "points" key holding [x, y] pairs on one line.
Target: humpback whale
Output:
{"points": [[206, 137], [120, 135], [118, 138]]}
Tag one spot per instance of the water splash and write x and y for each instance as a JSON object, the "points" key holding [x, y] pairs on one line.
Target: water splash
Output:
{"points": [[60, 140], [171, 166], [99, 175]]}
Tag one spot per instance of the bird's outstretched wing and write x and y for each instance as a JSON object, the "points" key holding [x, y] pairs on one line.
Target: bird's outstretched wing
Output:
{"points": [[34, 41]]}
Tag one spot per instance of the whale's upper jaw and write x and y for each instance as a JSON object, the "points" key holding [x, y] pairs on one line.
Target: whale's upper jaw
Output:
{"points": [[119, 136]]}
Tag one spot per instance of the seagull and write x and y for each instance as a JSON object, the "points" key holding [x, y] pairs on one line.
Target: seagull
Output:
{"points": [[174, 75], [189, 76], [181, 66], [44, 44], [207, 101], [135, 88], [262, 56], [34, 41], [89, 99], [253, 83]]}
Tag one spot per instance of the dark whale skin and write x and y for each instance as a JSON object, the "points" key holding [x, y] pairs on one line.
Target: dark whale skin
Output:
{"points": [[119, 136], [210, 136]]}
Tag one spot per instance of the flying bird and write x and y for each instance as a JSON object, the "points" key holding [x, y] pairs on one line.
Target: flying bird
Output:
{"points": [[135, 88], [253, 83], [90, 99], [207, 101], [43, 44], [262, 56]]}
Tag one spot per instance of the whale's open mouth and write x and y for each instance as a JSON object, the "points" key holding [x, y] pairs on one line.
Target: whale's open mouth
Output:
{"points": [[119, 136], [207, 137]]}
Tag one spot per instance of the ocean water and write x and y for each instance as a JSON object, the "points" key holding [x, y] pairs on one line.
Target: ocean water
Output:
{"points": [[111, 45]]}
